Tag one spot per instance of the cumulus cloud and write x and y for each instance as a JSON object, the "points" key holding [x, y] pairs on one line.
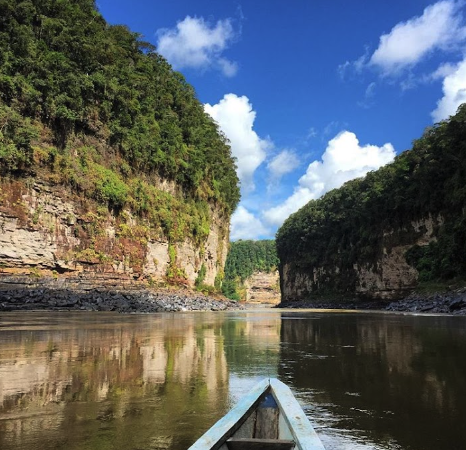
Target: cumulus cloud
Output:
{"points": [[439, 28], [244, 225], [194, 43], [285, 162], [277, 215], [235, 117], [442, 72], [344, 159], [454, 92]]}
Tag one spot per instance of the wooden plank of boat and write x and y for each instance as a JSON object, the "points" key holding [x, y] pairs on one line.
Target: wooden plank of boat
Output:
{"points": [[267, 418]]}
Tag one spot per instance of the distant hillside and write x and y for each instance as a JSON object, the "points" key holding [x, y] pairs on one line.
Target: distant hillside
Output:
{"points": [[243, 260], [94, 113], [383, 234]]}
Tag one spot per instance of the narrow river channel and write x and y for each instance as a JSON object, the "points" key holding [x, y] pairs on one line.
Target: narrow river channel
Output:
{"points": [[104, 381]]}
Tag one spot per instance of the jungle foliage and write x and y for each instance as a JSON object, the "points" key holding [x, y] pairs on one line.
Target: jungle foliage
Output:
{"points": [[244, 258], [101, 112], [346, 226]]}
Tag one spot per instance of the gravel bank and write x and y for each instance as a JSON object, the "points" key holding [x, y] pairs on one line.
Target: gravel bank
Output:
{"points": [[135, 301], [451, 302]]}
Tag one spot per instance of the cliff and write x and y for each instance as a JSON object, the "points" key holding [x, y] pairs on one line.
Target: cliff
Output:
{"points": [[386, 276], [263, 287], [108, 162], [45, 230], [251, 271], [380, 236]]}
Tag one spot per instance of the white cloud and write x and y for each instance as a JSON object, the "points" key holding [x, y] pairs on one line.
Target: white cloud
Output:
{"points": [[285, 162], [369, 94], [344, 159], [343, 68], [235, 117], [443, 71], [333, 127], [312, 132], [370, 90], [244, 225], [196, 44], [277, 215], [354, 66], [228, 68], [454, 92], [439, 28], [412, 81]]}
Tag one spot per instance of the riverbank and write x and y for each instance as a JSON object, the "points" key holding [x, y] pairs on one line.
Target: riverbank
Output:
{"points": [[23, 294], [112, 293], [142, 301], [449, 302]]}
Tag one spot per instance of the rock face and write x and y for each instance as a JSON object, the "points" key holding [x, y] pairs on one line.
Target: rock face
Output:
{"points": [[44, 228], [391, 277], [263, 287]]}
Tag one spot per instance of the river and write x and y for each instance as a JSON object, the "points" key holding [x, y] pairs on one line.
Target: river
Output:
{"points": [[107, 381]]}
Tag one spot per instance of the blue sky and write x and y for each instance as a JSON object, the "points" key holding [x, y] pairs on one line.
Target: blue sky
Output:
{"points": [[311, 93]]}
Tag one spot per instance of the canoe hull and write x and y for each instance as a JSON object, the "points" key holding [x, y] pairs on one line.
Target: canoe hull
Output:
{"points": [[267, 417]]}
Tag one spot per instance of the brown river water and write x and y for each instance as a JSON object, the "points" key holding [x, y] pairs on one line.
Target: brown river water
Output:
{"points": [[105, 381]]}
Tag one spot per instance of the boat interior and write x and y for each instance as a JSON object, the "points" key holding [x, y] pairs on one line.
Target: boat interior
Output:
{"points": [[262, 429]]}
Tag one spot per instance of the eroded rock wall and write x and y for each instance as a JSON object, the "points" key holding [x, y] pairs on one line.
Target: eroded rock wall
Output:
{"points": [[44, 228], [389, 277], [263, 287]]}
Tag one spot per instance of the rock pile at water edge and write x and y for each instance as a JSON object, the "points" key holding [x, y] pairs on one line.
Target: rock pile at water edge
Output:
{"points": [[135, 301]]}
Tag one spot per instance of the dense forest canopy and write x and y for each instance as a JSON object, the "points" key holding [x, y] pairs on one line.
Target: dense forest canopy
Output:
{"points": [[244, 258], [347, 224], [99, 110]]}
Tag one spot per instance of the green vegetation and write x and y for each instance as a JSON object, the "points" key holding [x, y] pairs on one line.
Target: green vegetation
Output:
{"points": [[175, 274], [94, 108], [347, 225], [201, 275], [245, 258]]}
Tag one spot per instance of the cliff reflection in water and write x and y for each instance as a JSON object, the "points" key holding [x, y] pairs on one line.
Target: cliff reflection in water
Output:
{"points": [[397, 381], [133, 383], [111, 382]]}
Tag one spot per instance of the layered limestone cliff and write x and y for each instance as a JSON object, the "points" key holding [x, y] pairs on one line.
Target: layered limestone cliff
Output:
{"points": [[46, 229], [112, 165], [263, 287], [389, 277]]}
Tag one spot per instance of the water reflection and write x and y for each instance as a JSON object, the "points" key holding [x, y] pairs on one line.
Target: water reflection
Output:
{"points": [[121, 382], [108, 381], [398, 380]]}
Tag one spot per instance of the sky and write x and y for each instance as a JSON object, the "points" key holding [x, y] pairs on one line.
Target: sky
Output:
{"points": [[310, 93]]}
